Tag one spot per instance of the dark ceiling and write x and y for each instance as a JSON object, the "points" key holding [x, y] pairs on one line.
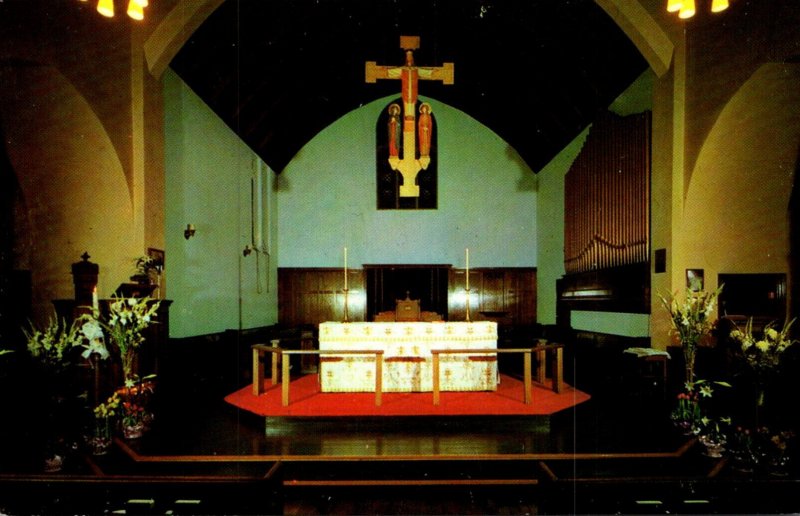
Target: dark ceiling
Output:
{"points": [[534, 71]]}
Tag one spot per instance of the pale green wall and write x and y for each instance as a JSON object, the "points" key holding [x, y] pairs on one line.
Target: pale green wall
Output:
{"points": [[551, 228], [208, 172], [627, 325], [327, 201]]}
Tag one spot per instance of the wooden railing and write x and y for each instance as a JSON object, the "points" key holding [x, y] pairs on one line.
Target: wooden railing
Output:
{"points": [[557, 366], [280, 366], [278, 361]]}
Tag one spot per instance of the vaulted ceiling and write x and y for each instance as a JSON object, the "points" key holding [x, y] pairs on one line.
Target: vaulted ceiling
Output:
{"points": [[536, 72]]}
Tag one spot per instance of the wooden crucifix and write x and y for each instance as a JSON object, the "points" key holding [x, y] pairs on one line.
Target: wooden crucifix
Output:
{"points": [[409, 164]]}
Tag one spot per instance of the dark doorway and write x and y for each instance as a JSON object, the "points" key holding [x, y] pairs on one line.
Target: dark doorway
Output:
{"points": [[388, 283], [761, 295]]}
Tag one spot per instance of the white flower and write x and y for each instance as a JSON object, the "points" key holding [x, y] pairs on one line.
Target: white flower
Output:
{"points": [[96, 346], [772, 334], [92, 330], [762, 345]]}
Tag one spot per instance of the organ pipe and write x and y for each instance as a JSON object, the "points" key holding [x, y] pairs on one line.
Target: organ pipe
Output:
{"points": [[607, 196]]}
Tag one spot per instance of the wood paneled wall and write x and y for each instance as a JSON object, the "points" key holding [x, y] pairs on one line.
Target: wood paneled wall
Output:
{"points": [[309, 296], [506, 295]]}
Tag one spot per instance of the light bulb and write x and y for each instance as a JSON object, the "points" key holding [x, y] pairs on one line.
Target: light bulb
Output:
{"points": [[135, 10], [106, 8], [687, 9], [718, 6], [674, 6]]}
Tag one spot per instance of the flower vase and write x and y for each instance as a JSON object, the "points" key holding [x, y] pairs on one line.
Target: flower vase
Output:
{"points": [[100, 442], [714, 446], [689, 353], [53, 463], [684, 426], [132, 430]]}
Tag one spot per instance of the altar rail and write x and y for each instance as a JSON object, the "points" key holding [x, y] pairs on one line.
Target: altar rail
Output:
{"points": [[280, 366], [557, 366]]}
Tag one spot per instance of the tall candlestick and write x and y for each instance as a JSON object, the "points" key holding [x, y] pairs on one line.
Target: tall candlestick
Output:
{"points": [[345, 268], [467, 280]]}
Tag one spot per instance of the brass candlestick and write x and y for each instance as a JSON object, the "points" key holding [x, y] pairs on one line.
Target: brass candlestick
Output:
{"points": [[467, 291], [346, 314]]}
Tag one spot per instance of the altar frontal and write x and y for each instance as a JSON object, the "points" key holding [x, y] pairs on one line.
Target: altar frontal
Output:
{"points": [[407, 357]]}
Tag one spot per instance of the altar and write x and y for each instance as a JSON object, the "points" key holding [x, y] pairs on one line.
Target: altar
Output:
{"points": [[407, 358]]}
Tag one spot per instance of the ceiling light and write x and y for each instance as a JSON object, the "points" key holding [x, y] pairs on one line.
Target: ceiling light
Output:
{"points": [[106, 8], [674, 6], [686, 8], [135, 10], [718, 6]]}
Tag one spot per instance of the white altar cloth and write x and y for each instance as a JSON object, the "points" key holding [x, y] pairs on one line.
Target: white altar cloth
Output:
{"points": [[407, 359]]}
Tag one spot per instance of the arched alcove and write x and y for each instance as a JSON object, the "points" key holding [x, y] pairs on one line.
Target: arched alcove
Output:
{"points": [[735, 218], [71, 182]]}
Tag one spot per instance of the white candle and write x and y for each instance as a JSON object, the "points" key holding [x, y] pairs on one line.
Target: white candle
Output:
{"points": [[345, 268], [467, 253], [95, 302], [258, 240]]}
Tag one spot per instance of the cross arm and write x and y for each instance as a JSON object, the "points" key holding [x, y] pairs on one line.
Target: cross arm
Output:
{"points": [[444, 73], [373, 72]]}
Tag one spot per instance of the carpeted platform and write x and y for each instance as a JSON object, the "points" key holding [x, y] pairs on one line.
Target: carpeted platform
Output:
{"points": [[306, 400]]}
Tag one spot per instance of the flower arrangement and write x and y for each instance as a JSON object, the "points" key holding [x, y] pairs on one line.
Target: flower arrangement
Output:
{"points": [[104, 414], [132, 413], [763, 354], [714, 430], [128, 318], [136, 398], [690, 414], [93, 337], [691, 318], [108, 409], [687, 413], [147, 268], [51, 346], [761, 448]]}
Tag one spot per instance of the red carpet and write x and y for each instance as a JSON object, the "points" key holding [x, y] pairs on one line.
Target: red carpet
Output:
{"points": [[306, 400]]}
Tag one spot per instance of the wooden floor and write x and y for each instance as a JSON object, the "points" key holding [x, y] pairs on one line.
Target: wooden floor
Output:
{"points": [[616, 454]]}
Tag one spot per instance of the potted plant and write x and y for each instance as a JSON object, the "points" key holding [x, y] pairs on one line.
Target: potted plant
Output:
{"points": [[692, 405], [148, 269], [713, 434], [104, 415]]}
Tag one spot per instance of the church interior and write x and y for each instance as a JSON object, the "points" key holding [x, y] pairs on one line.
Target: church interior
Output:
{"points": [[399, 256]]}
